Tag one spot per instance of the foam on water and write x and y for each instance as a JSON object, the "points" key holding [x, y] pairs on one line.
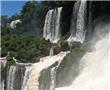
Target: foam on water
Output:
{"points": [[95, 72]]}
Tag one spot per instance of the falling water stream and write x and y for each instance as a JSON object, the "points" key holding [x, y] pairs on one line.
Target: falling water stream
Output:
{"points": [[78, 22], [52, 30], [26, 77], [51, 52]]}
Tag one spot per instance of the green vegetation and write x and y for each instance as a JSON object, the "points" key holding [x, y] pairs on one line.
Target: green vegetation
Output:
{"points": [[10, 62], [24, 47]]}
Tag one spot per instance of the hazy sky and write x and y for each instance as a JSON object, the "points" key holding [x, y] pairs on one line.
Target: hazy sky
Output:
{"points": [[11, 7]]}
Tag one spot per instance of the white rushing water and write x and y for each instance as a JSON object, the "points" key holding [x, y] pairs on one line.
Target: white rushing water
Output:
{"points": [[26, 77], [51, 52], [3, 85], [3, 62], [53, 78], [10, 78], [46, 62], [52, 30], [95, 64], [16, 73], [78, 22], [13, 23]]}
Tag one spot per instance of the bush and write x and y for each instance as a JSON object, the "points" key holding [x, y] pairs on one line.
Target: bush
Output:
{"points": [[24, 47], [10, 62]]}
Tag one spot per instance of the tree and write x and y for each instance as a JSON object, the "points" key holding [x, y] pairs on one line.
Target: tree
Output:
{"points": [[31, 16], [4, 21]]}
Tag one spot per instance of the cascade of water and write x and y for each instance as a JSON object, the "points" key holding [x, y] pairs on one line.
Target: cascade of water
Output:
{"points": [[95, 71], [43, 73], [10, 78], [17, 77], [26, 77], [52, 25], [80, 34], [53, 78], [3, 62], [43, 85], [78, 22], [74, 18], [51, 52], [47, 27], [2, 85]]}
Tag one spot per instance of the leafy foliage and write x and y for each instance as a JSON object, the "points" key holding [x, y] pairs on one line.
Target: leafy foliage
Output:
{"points": [[32, 16], [24, 46]]}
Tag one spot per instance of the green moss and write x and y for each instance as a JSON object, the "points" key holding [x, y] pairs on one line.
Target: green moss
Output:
{"points": [[10, 62]]}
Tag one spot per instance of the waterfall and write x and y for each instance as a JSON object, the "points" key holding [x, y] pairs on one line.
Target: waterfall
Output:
{"points": [[36, 76], [3, 62], [26, 77], [78, 22], [17, 77], [51, 52], [53, 78], [11, 78], [43, 73], [94, 65], [2, 85], [52, 30]]}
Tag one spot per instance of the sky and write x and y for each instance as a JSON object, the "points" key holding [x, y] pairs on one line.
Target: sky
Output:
{"points": [[11, 7]]}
